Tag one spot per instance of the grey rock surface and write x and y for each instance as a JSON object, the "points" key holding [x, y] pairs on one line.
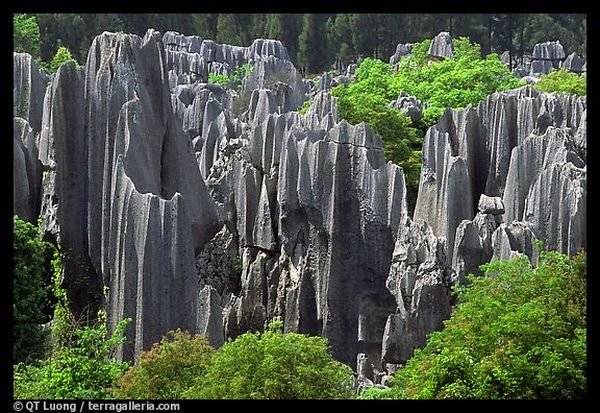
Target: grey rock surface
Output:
{"points": [[441, 46], [409, 105], [403, 49], [473, 245], [574, 63], [469, 153], [546, 57], [29, 87], [27, 178], [490, 205], [420, 280], [548, 51]]}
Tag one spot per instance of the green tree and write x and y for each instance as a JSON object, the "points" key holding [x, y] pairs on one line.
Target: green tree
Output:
{"points": [[205, 25], [31, 292], [367, 100], [518, 332], [229, 30], [79, 365], [563, 81], [464, 79], [233, 80], [274, 26], [62, 55], [166, 370], [274, 365], [83, 370], [305, 43], [26, 34]]}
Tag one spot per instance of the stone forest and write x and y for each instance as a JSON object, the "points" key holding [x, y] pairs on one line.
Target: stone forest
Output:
{"points": [[198, 219]]}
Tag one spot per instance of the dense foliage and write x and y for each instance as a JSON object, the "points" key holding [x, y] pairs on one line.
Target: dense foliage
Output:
{"points": [[31, 295], [274, 365], [330, 37], [234, 79], [563, 81], [82, 370], [464, 79], [26, 34], [456, 82], [518, 332], [80, 363], [166, 370], [367, 100], [62, 55]]}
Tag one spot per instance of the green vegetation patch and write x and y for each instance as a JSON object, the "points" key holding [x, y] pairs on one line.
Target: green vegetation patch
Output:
{"points": [[233, 80], [518, 332], [274, 365], [563, 81]]}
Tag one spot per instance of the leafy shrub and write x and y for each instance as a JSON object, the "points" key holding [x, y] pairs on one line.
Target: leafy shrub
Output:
{"points": [[563, 81], [26, 34], [303, 109], [31, 295], [62, 55], [367, 100], [464, 79], [233, 80], [80, 363], [165, 371], [274, 365], [518, 332], [81, 371]]}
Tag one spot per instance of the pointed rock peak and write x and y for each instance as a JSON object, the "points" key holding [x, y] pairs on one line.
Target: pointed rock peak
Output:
{"points": [[441, 46]]}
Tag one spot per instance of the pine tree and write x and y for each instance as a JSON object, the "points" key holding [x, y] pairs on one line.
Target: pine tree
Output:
{"points": [[274, 26], [228, 30], [204, 25], [305, 43]]}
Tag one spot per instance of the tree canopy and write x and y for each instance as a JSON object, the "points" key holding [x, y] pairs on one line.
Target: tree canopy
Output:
{"points": [[330, 37], [274, 365]]}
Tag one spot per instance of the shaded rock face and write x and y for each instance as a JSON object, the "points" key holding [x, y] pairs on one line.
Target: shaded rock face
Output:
{"points": [[420, 281], [403, 49], [190, 58], [215, 210], [166, 164], [549, 51], [27, 171], [298, 197], [29, 88], [409, 105], [574, 63]]}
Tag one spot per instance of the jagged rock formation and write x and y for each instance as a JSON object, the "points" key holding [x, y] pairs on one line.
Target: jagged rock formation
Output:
{"points": [[544, 58], [215, 210], [510, 146], [420, 280], [547, 56], [441, 46], [574, 63], [403, 49], [29, 87], [409, 105]]}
